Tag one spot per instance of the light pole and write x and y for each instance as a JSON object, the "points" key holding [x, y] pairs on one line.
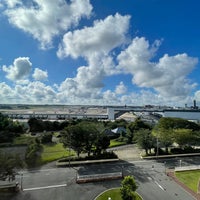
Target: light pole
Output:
{"points": [[69, 149], [21, 181], [180, 163], [156, 146]]}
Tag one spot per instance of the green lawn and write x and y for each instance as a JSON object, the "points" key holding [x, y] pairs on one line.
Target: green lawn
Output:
{"points": [[189, 178], [53, 152], [115, 143], [22, 139], [114, 194]]}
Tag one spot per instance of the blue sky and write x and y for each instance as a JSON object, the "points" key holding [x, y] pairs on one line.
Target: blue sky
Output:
{"points": [[100, 52]]}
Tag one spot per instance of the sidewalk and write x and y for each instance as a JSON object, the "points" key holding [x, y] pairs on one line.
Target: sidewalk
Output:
{"points": [[170, 156]]}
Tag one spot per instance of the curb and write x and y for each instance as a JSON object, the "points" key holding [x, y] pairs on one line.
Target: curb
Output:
{"points": [[112, 189], [86, 162], [170, 156]]}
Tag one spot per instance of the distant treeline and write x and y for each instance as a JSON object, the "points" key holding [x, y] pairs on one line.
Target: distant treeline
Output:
{"points": [[38, 125], [9, 129]]}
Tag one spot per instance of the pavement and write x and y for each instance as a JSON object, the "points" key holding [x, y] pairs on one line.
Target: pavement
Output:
{"points": [[127, 152], [50, 183]]}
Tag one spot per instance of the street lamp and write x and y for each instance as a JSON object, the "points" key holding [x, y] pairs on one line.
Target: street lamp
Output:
{"points": [[69, 149], [165, 167], [180, 163], [157, 149], [21, 181]]}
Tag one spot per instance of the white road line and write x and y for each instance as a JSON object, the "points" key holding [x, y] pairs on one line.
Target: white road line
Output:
{"points": [[45, 187], [39, 170], [149, 178], [159, 185]]}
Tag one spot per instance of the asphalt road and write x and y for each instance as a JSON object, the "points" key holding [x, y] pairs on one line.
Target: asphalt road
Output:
{"points": [[155, 184], [59, 183]]}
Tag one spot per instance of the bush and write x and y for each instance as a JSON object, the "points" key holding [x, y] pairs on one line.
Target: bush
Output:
{"points": [[105, 155], [187, 149], [46, 138]]}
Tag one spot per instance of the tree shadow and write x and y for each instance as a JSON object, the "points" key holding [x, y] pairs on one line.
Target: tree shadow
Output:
{"points": [[124, 167]]}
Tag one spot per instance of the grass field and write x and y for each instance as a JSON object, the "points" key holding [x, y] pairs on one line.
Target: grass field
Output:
{"points": [[53, 152], [115, 143], [189, 178], [114, 194], [22, 139]]}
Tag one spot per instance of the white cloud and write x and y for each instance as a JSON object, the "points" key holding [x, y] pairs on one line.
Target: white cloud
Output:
{"points": [[20, 69], [197, 95], [5, 89], [86, 84], [110, 97], [94, 44], [44, 19], [12, 3], [33, 92], [168, 76], [40, 75], [100, 39], [39, 92], [121, 88]]}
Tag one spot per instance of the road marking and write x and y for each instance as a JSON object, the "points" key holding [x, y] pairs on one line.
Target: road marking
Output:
{"points": [[159, 185], [45, 187]]}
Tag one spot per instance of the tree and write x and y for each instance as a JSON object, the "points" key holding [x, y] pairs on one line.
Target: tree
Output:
{"points": [[90, 136], [33, 152], [129, 136], [196, 138], [9, 164], [145, 140], [102, 143], [35, 125], [73, 137], [176, 123], [183, 137], [168, 130], [85, 136], [9, 129], [163, 132], [46, 138], [137, 125], [128, 188]]}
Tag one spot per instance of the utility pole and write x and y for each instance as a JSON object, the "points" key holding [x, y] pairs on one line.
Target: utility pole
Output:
{"points": [[21, 181], [157, 147]]}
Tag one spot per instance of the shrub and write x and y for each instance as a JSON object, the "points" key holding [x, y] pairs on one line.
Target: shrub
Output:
{"points": [[105, 155], [187, 149], [128, 188]]}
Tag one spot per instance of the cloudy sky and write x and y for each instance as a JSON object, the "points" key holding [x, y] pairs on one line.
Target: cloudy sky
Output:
{"points": [[105, 52]]}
